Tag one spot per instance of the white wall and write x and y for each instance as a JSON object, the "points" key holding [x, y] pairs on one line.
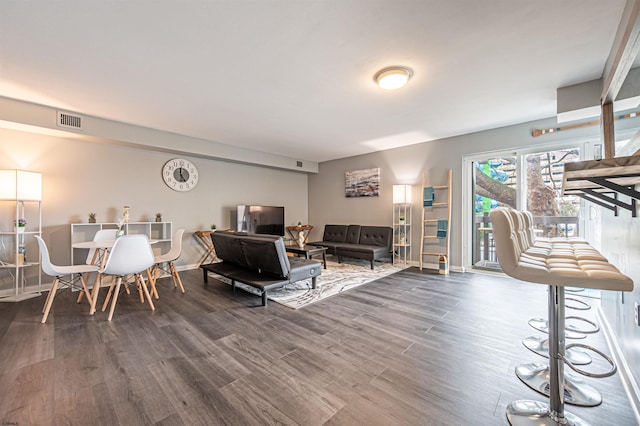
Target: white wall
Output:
{"points": [[621, 245], [81, 177]]}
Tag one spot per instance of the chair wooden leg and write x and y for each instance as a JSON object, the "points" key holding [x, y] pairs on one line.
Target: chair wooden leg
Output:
{"points": [[46, 302], [136, 280], [115, 298], [109, 293], [85, 291], [152, 280], [82, 293], [94, 292], [173, 277], [126, 285], [146, 291], [52, 295], [174, 272]]}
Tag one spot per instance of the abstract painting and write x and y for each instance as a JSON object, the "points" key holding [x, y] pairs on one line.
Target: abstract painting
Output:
{"points": [[362, 183]]}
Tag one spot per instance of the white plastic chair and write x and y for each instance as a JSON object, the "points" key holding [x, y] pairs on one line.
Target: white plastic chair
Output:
{"points": [[130, 255], [101, 235], [76, 271], [97, 256], [168, 258]]}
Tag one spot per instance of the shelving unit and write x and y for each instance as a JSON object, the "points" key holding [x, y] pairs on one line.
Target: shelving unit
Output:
{"points": [[159, 231], [435, 211], [20, 273], [401, 233]]}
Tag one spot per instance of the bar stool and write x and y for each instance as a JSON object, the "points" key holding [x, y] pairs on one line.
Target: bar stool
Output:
{"points": [[564, 266]]}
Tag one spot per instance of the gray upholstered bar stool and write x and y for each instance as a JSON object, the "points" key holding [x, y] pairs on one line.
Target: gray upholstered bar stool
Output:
{"points": [[558, 268]]}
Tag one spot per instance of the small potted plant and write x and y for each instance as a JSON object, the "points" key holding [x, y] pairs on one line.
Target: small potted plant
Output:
{"points": [[20, 226], [213, 228], [401, 218]]}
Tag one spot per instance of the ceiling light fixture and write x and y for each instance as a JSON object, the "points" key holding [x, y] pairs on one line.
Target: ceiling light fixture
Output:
{"points": [[392, 78]]}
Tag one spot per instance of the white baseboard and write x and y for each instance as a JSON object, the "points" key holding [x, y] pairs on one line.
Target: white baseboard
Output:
{"points": [[626, 377]]}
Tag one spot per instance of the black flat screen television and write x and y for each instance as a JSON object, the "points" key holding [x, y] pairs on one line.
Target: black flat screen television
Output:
{"points": [[260, 219]]}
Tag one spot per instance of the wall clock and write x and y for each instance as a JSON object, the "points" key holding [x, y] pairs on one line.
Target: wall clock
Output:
{"points": [[180, 175]]}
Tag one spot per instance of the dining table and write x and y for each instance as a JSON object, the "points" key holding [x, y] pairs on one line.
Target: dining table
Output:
{"points": [[101, 253]]}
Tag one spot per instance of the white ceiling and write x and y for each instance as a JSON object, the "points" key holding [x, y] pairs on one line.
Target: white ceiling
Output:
{"points": [[295, 77]]}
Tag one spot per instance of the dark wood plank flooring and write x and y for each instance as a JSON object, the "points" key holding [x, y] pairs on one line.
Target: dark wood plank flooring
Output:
{"points": [[410, 349]]}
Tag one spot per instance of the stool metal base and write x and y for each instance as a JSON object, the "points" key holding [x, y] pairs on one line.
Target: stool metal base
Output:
{"points": [[580, 305], [576, 390], [542, 325], [540, 346], [535, 413]]}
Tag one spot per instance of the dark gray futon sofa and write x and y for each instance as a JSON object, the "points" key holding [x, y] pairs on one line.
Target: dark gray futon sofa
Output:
{"points": [[361, 242], [259, 261]]}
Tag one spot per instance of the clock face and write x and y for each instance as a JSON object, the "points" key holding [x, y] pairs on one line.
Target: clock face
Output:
{"points": [[180, 175]]}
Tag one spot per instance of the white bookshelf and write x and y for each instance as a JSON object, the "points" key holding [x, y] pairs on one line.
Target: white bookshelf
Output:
{"points": [[158, 231], [20, 272]]}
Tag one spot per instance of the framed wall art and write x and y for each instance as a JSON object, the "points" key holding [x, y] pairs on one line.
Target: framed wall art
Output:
{"points": [[362, 183]]}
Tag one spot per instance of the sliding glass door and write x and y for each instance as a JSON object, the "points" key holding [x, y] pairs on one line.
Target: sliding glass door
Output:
{"points": [[554, 215], [528, 180], [495, 183]]}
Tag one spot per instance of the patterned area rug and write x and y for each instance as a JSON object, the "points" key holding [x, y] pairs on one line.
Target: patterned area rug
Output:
{"points": [[337, 278]]}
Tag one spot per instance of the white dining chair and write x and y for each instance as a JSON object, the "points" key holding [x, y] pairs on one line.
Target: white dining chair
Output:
{"points": [[130, 255], [77, 273], [164, 263], [97, 256]]}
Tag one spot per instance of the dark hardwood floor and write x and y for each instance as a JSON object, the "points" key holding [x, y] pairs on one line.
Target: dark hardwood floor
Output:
{"points": [[409, 349]]}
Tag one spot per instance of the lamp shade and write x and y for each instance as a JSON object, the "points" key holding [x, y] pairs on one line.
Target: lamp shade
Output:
{"points": [[401, 194], [20, 185]]}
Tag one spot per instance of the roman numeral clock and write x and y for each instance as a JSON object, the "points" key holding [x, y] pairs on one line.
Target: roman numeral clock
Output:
{"points": [[180, 175]]}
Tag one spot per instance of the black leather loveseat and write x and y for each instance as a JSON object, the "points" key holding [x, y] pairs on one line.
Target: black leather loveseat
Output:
{"points": [[357, 241], [259, 261]]}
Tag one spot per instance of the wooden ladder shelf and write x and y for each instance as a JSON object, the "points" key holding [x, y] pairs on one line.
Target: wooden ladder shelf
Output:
{"points": [[440, 209]]}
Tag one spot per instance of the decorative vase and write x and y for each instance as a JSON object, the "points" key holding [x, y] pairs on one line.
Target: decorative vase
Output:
{"points": [[300, 239], [119, 233], [19, 229], [158, 218]]}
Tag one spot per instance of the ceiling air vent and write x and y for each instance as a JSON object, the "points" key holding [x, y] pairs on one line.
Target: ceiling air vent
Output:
{"points": [[69, 121]]}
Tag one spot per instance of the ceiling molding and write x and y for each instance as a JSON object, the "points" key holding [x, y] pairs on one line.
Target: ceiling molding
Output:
{"points": [[26, 116]]}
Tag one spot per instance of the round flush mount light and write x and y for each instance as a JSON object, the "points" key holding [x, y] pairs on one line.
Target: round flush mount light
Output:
{"points": [[392, 78]]}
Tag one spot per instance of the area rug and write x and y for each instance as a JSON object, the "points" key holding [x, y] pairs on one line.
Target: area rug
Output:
{"points": [[337, 278]]}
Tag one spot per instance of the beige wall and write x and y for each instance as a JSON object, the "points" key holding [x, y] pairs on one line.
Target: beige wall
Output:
{"points": [[82, 177]]}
